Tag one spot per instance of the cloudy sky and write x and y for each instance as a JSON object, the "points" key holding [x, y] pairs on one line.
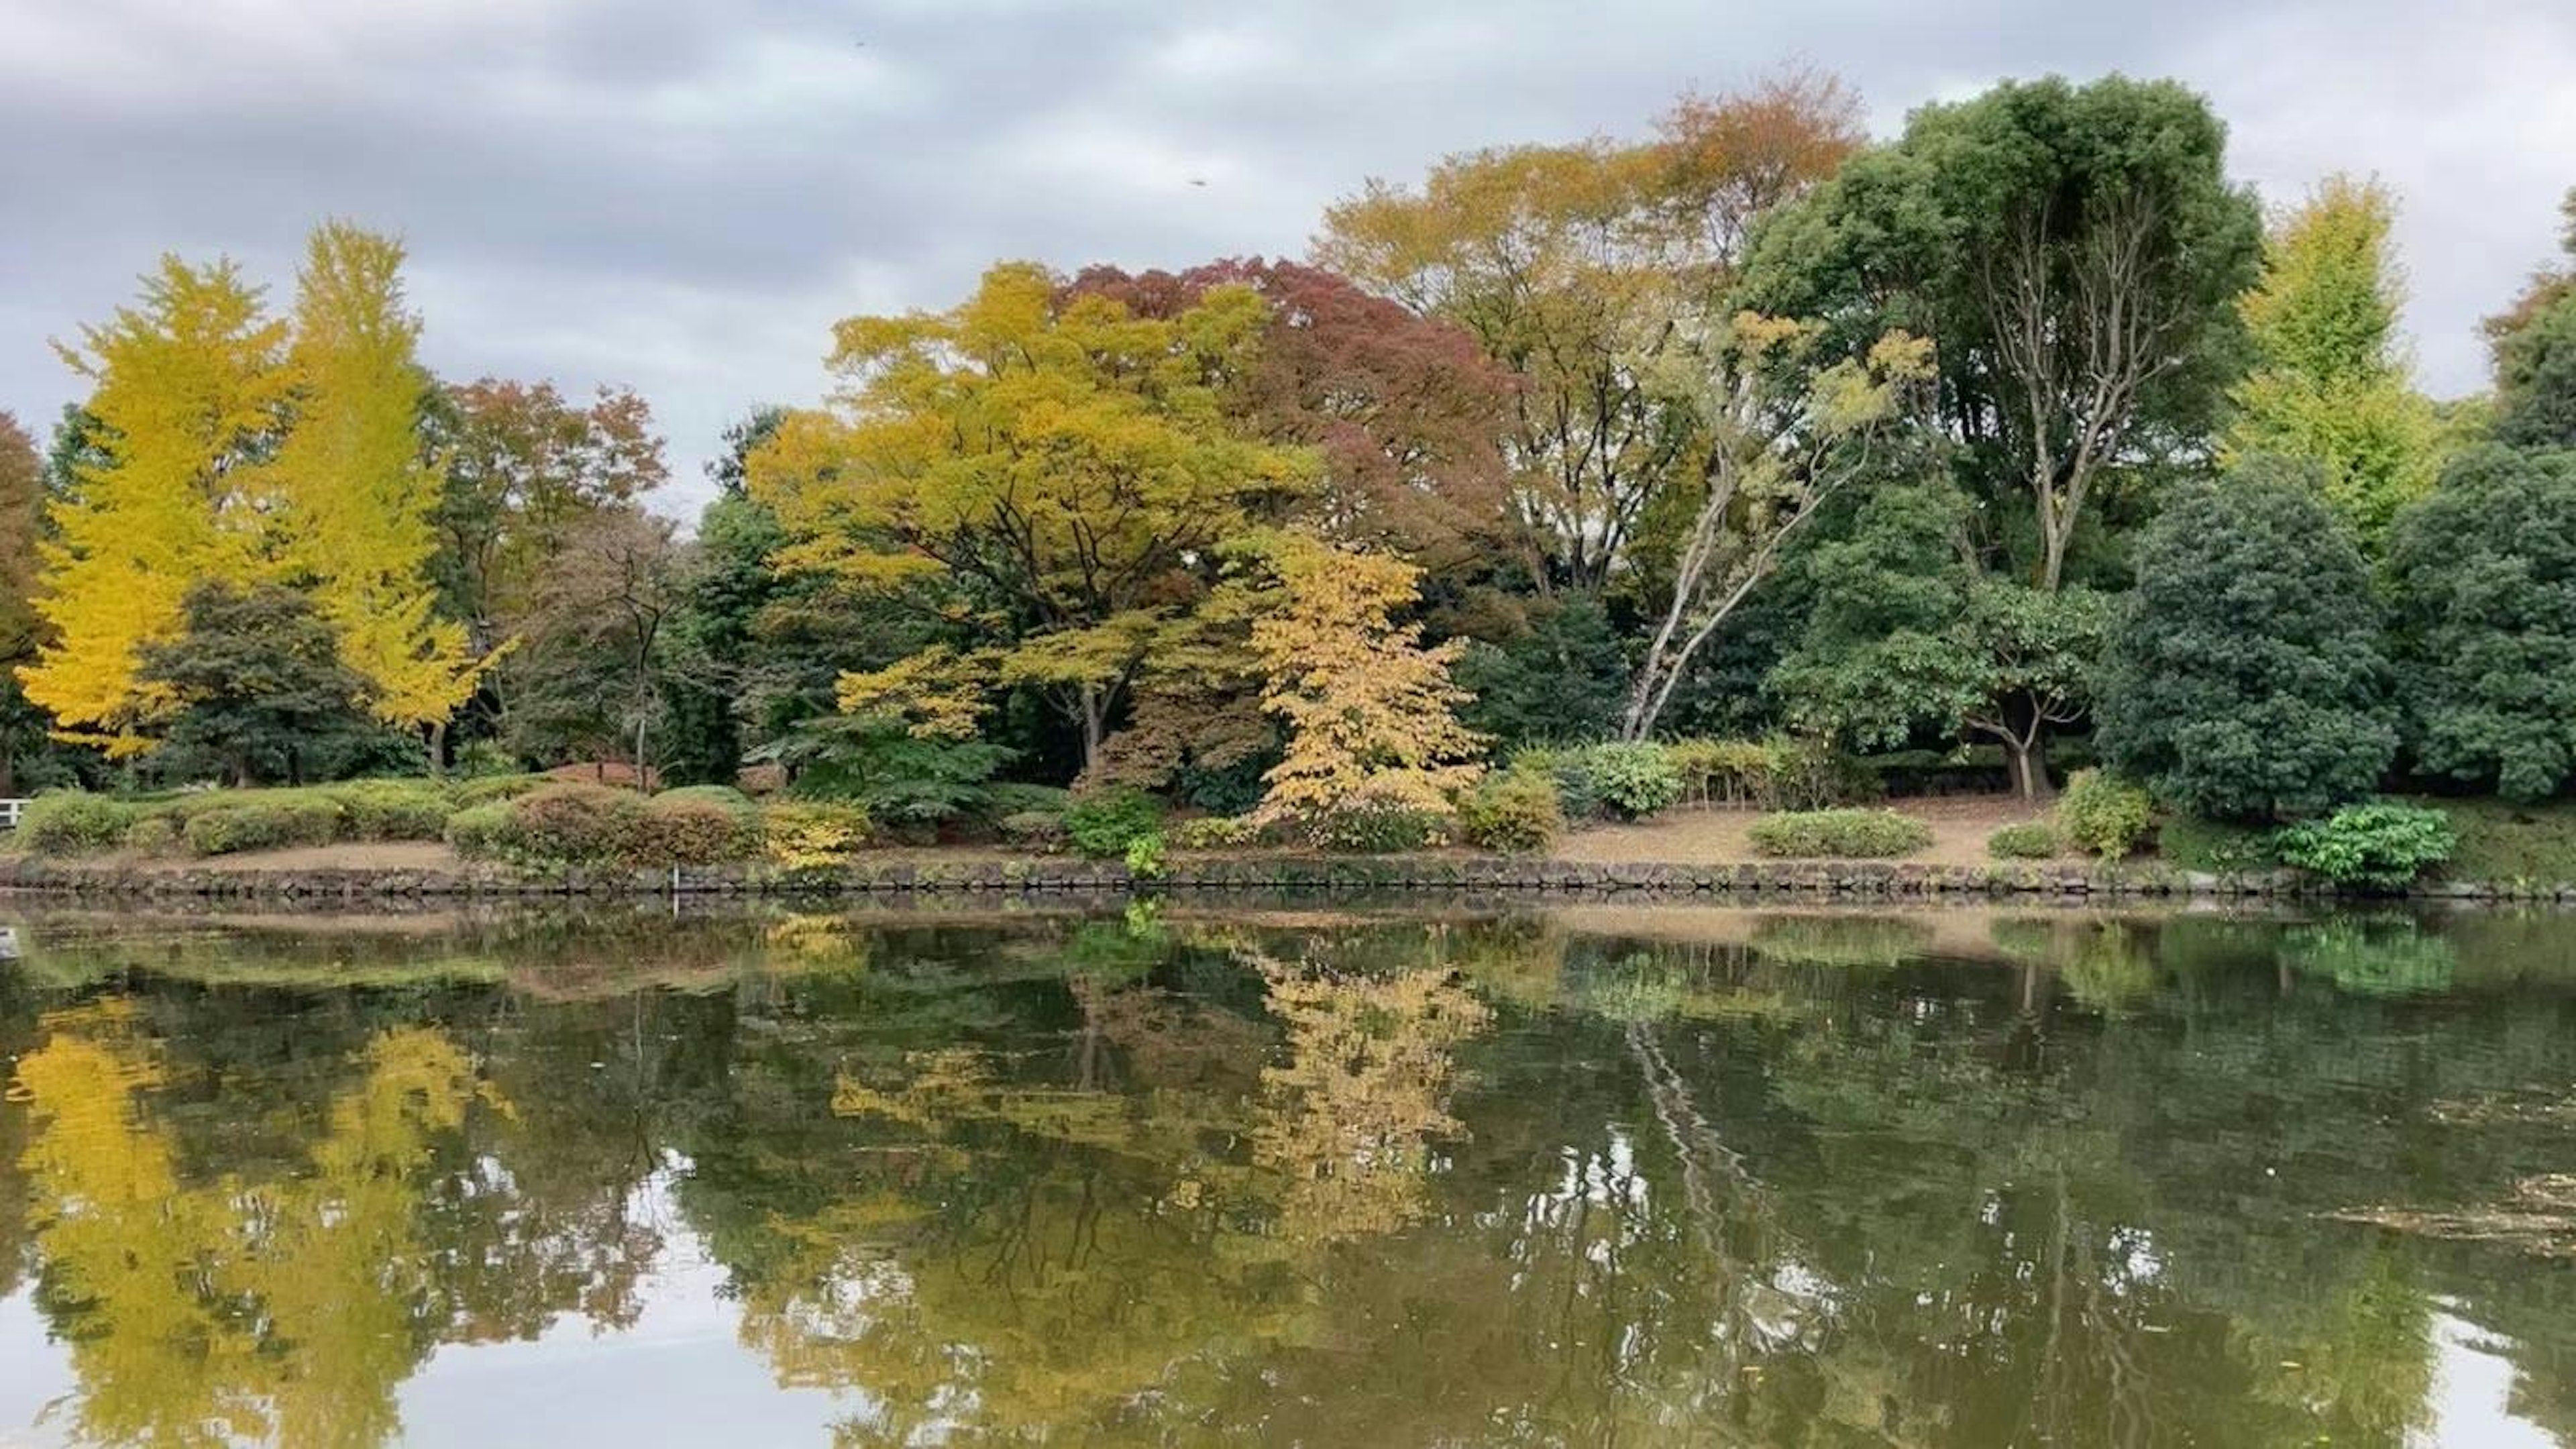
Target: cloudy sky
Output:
{"points": [[682, 196]]}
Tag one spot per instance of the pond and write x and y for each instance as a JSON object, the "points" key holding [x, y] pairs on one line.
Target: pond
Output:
{"points": [[1604, 1174]]}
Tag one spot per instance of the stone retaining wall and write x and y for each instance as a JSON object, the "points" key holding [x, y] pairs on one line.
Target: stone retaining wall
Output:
{"points": [[1050, 874]]}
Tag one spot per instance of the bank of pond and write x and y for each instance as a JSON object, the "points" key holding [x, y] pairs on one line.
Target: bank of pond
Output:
{"points": [[543, 834], [1288, 1172]]}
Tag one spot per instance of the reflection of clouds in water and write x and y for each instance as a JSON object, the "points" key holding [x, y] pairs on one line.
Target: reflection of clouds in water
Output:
{"points": [[679, 1376], [2472, 1391], [40, 1375]]}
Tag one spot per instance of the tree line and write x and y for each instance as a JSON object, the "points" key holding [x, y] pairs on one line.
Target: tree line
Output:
{"points": [[2024, 435]]}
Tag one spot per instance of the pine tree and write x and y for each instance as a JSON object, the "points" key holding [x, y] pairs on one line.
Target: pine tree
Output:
{"points": [[191, 388]]}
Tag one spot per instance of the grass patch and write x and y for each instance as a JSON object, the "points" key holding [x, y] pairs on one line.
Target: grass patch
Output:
{"points": [[2503, 842], [2215, 846]]}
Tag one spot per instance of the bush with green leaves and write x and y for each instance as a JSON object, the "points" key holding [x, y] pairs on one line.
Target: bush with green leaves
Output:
{"points": [[2027, 840], [1217, 832], [1144, 855], [488, 831], [2483, 570], [251, 823], [74, 822], [1612, 781], [2383, 845], [1102, 823], [1513, 811], [390, 809], [1040, 830], [484, 789], [1839, 834], [1369, 831], [2104, 814], [2246, 677]]}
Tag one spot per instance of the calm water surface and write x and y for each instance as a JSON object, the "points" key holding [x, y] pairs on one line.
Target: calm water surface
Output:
{"points": [[1631, 1176]]}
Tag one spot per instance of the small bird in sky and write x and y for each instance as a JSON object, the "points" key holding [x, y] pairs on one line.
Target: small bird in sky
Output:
{"points": [[1198, 181]]}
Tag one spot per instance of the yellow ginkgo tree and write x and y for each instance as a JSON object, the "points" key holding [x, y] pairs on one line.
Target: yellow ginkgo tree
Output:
{"points": [[356, 493], [190, 392], [238, 448]]}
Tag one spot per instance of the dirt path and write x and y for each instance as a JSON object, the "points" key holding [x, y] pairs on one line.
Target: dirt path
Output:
{"points": [[1960, 825]]}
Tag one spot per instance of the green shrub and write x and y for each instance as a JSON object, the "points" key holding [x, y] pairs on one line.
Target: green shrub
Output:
{"points": [[251, 823], [1216, 832], [1515, 812], [2028, 840], [390, 809], [814, 834], [2104, 813], [1145, 855], [487, 831], [73, 823], [2196, 842], [154, 835], [1103, 822], [1380, 832], [483, 789], [1633, 781], [1012, 797], [1843, 834], [2383, 845], [700, 825], [577, 825], [1032, 830]]}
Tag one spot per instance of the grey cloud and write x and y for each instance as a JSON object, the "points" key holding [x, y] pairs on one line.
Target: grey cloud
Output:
{"points": [[684, 197]]}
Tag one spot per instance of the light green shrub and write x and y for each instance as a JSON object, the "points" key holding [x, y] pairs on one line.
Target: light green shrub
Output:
{"points": [[2028, 840], [814, 834], [1515, 811], [1839, 834], [2104, 813], [1102, 823], [248, 823], [1216, 832], [73, 822]]}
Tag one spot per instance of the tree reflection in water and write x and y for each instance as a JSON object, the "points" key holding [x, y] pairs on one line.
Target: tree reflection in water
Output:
{"points": [[1682, 1176]]}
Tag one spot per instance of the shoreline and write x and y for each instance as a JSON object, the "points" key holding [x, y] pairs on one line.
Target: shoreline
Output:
{"points": [[929, 872]]}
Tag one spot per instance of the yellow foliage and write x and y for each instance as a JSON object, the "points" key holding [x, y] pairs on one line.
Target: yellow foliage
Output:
{"points": [[357, 494], [1371, 714], [190, 390]]}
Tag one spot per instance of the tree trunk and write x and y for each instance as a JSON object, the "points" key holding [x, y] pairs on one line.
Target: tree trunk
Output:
{"points": [[2026, 750], [437, 745], [1094, 710], [641, 775]]}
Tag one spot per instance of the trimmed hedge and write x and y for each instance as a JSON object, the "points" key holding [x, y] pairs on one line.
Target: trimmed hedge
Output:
{"points": [[251, 823], [73, 822], [699, 825], [1839, 834], [2029, 840], [391, 809]]}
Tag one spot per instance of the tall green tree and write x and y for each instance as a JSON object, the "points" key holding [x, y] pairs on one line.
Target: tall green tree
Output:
{"points": [[2330, 380], [2535, 354], [2247, 677], [2484, 574], [2075, 254], [256, 685]]}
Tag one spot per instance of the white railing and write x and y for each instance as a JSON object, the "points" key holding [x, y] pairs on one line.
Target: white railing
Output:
{"points": [[9, 812]]}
